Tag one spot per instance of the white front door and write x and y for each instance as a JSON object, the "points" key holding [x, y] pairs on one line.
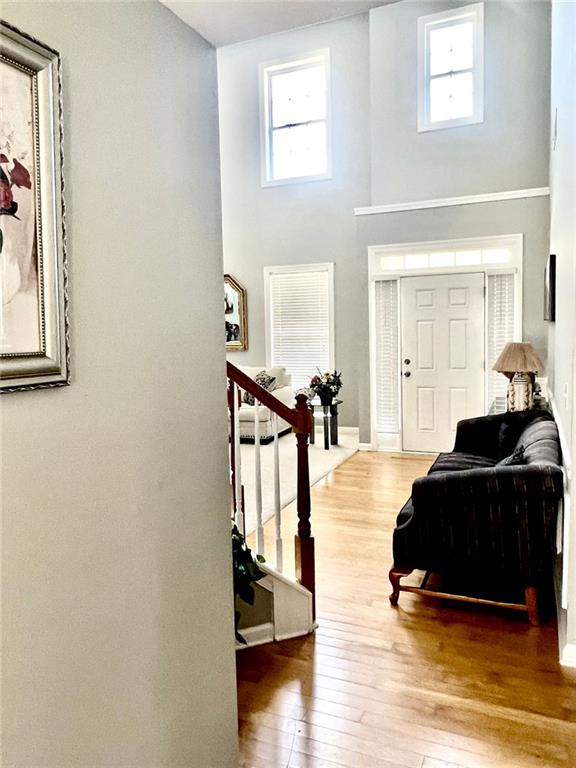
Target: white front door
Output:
{"points": [[442, 357]]}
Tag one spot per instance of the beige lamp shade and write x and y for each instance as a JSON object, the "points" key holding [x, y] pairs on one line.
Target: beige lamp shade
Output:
{"points": [[518, 357]]}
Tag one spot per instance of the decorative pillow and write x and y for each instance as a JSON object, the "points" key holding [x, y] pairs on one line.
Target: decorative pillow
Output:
{"points": [[265, 380], [515, 458], [279, 374]]}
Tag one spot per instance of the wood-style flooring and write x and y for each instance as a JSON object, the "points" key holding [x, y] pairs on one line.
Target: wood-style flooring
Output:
{"points": [[427, 685]]}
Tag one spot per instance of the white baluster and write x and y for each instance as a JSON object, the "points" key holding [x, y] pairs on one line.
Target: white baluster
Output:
{"points": [[239, 511], [277, 514], [258, 481]]}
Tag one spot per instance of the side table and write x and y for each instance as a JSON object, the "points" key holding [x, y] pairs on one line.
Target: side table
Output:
{"points": [[330, 419]]}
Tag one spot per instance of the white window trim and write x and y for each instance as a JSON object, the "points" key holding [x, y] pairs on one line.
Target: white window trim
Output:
{"points": [[393, 441], [287, 64], [282, 270], [476, 13], [514, 242]]}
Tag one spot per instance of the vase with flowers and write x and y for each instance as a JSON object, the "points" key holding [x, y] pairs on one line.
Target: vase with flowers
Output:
{"points": [[326, 386]]}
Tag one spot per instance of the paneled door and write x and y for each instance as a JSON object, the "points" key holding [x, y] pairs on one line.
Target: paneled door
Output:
{"points": [[442, 357]]}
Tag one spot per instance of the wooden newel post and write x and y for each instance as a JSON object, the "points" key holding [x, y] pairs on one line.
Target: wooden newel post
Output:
{"points": [[304, 541]]}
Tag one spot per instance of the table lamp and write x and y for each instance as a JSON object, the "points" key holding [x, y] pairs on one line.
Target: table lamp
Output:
{"points": [[519, 362]]}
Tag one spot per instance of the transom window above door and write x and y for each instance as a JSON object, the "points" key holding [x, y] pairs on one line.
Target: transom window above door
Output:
{"points": [[447, 258], [451, 68], [295, 109]]}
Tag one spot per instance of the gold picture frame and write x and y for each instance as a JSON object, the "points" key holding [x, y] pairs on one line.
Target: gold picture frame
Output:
{"points": [[34, 344], [235, 315]]}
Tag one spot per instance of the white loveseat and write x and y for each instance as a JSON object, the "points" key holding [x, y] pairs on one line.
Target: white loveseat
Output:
{"points": [[283, 391]]}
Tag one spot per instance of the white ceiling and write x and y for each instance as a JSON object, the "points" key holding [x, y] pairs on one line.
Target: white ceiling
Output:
{"points": [[223, 22]]}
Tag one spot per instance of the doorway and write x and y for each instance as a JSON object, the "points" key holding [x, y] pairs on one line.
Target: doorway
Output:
{"points": [[442, 354], [473, 289]]}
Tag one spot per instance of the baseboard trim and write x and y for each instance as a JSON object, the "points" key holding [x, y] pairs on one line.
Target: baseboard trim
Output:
{"points": [[365, 447], [264, 633], [447, 202], [568, 655], [258, 635], [564, 445], [273, 573], [291, 635]]}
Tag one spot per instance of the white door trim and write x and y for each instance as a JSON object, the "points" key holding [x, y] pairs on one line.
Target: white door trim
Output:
{"points": [[393, 441]]}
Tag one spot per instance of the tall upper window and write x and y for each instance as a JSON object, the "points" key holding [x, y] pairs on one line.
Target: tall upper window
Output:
{"points": [[451, 68], [300, 319], [295, 119]]}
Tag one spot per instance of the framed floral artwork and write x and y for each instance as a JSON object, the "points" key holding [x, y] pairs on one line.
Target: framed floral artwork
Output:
{"points": [[34, 349], [235, 315]]}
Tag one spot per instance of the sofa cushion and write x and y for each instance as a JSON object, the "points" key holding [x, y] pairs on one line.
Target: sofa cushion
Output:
{"points": [[284, 395], [516, 457], [512, 426], [541, 442], [246, 413], [508, 437], [455, 462]]}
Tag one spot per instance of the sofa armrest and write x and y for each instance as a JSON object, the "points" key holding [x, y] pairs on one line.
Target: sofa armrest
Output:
{"points": [[507, 483], [501, 521], [479, 436]]}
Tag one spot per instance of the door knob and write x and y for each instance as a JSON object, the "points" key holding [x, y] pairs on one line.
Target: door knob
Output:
{"points": [[407, 361], [407, 374]]}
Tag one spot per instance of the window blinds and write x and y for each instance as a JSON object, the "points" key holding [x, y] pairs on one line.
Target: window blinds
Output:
{"points": [[300, 322], [387, 356], [500, 309]]}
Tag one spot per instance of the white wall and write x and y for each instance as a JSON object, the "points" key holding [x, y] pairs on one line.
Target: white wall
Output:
{"points": [[506, 151], [117, 600], [296, 223], [563, 244]]}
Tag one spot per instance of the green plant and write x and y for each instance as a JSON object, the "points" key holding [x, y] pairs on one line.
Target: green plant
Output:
{"points": [[246, 574]]}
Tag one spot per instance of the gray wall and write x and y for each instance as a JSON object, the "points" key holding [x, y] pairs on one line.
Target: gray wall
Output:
{"points": [[117, 607], [528, 217], [562, 337], [374, 95], [296, 223], [506, 151]]}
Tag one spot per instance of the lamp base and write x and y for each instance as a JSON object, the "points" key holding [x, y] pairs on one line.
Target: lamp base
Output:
{"points": [[520, 393]]}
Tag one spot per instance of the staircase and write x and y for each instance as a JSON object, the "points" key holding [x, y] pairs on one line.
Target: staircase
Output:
{"points": [[285, 605]]}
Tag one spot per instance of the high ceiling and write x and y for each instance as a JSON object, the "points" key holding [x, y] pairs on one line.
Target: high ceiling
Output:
{"points": [[223, 22]]}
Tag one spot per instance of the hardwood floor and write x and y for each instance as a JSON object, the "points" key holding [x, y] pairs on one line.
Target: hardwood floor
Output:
{"points": [[427, 685]]}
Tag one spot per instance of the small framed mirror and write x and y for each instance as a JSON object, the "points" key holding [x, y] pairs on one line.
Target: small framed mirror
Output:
{"points": [[235, 315]]}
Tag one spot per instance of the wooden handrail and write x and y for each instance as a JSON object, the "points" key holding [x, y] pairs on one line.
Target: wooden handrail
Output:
{"points": [[300, 418], [301, 421], [261, 394]]}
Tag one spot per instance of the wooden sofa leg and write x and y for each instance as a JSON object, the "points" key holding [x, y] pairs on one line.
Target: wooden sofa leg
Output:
{"points": [[531, 595], [395, 575]]}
